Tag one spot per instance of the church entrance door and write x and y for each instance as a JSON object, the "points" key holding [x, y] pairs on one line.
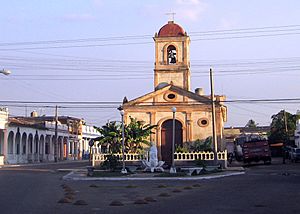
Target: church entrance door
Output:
{"points": [[166, 139]]}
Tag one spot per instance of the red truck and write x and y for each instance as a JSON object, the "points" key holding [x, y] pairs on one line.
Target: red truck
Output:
{"points": [[256, 150]]}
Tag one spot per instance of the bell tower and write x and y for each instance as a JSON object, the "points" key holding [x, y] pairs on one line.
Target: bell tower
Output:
{"points": [[172, 57]]}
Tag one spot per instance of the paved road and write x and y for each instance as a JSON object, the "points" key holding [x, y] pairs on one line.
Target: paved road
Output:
{"points": [[264, 189], [32, 189]]}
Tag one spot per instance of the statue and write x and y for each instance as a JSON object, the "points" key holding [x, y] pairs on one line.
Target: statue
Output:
{"points": [[153, 163]]}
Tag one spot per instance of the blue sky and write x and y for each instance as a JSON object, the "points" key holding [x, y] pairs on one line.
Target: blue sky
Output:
{"points": [[274, 60]]}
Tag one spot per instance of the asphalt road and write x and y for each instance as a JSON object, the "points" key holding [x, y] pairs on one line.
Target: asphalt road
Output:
{"points": [[263, 189]]}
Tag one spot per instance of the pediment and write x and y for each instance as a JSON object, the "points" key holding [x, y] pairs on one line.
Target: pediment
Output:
{"points": [[169, 94]]}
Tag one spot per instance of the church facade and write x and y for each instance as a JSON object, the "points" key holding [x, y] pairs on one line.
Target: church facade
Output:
{"points": [[172, 75]]}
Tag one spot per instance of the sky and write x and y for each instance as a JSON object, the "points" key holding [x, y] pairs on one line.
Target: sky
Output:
{"points": [[102, 50]]}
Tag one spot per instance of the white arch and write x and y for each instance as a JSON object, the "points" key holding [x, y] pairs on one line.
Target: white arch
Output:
{"points": [[17, 143], [36, 145], [30, 142], [24, 141], [41, 148], [10, 142]]}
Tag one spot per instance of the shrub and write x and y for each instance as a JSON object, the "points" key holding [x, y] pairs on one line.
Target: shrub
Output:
{"points": [[182, 149], [112, 163], [202, 145]]}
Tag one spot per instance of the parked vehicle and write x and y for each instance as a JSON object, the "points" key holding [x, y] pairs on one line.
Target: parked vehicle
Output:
{"points": [[295, 154], [246, 138], [256, 150]]}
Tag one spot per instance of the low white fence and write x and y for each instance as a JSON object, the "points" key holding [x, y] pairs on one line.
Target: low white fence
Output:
{"points": [[178, 156], [190, 156], [127, 157]]}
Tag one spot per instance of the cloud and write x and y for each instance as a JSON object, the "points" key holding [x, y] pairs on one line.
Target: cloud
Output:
{"points": [[79, 17], [191, 10], [189, 14]]}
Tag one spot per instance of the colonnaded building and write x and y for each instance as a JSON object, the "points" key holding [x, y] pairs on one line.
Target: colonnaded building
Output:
{"points": [[172, 77], [33, 139]]}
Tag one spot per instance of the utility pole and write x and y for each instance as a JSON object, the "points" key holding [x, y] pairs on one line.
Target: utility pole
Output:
{"points": [[213, 113], [55, 135], [285, 121], [285, 141]]}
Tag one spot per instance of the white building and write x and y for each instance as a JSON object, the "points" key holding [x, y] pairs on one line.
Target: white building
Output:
{"points": [[35, 142], [3, 133], [32, 139], [88, 133]]}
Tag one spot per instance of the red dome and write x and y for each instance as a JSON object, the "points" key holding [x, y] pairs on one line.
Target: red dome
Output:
{"points": [[171, 29]]}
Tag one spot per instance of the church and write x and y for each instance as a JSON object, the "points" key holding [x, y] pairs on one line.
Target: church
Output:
{"points": [[172, 88]]}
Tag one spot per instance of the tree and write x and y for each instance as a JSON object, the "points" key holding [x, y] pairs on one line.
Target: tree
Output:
{"points": [[283, 126], [251, 124], [111, 135], [136, 135]]}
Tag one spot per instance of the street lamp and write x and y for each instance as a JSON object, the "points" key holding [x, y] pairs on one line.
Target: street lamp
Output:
{"points": [[173, 168], [123, 171], [5, 72]]}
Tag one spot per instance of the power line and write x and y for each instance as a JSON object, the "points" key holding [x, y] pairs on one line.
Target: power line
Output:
{"points": [[73, 79], [268, 100], [244, 37], [247, 29], [122, 72], [76, 40], [108, 63], [272, 32], [148, 36], [76, 46]]}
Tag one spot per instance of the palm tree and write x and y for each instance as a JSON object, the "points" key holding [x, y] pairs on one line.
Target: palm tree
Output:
{"points": [[110, 136], [137, 134]]}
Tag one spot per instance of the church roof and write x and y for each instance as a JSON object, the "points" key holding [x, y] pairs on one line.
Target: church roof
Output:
{"points": [[171, 29], [176, 89]]}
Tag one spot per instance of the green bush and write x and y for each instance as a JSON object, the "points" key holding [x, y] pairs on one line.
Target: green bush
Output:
{"points": [[111, 163], [202, 145], [182, 149]]}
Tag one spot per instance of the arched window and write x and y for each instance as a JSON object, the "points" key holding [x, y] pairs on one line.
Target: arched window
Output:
{"points": [[24, 139], [47, 145], [17, 143], [41, 147], [11, 143], [30, 139], [36, 141], [171, 54]]}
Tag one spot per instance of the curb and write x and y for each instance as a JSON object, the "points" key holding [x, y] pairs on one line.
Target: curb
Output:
{"points": [[71, 176], [42, 164]]}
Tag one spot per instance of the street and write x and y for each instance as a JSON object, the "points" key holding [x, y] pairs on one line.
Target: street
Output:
{"points": [[263, 189]]}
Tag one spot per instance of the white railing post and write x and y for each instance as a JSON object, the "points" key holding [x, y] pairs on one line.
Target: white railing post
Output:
{"points": [[93, 158]]}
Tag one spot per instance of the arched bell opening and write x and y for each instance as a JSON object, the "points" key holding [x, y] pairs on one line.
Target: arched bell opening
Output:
{"points": [[172, 54]]}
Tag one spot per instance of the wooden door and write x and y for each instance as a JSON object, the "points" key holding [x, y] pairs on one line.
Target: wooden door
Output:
{"points": [[166, 139]]}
